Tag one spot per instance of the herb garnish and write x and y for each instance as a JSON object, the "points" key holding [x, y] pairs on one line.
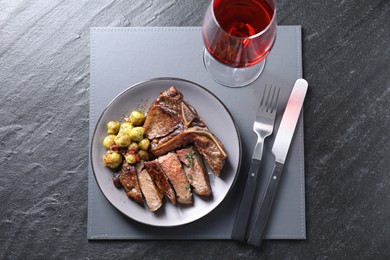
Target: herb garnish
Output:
{"points": [[189, 156]]}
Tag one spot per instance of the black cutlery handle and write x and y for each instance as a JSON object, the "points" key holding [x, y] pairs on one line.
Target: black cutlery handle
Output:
{"points": [[257, 232], [241, 222]]}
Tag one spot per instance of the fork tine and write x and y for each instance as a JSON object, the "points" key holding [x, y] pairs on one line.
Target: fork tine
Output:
{"points": [[262, 98], [274, 102], [271, 99], [265, 98]]}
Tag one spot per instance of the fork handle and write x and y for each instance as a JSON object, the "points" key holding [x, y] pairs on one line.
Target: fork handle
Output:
{"points": [[258, 151], [241, 222], [262, 214]]}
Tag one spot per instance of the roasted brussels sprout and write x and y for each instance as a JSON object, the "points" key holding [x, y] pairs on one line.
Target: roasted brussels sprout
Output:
{"points": [[137, 133], [125, 128], [131, 158], [112, 159], [133, 147], [123, 140], [137, 118], [113, 127], [143, 155], [108, 141], [144, 144]]}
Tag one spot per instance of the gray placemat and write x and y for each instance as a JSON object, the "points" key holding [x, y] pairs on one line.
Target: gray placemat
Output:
{"points": [[121, 57]]}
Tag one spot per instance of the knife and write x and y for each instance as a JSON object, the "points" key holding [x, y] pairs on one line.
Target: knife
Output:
{"points": [[279, 149]]}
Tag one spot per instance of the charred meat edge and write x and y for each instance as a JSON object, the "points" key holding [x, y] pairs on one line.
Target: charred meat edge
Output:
{"points": [[160, 179], [128, 179]]}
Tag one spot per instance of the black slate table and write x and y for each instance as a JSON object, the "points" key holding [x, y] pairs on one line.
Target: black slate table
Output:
{"points": [[44, 83]]}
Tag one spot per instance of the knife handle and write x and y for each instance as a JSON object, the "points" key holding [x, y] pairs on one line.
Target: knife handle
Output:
{"points": [[241, 222], [257, 232]]}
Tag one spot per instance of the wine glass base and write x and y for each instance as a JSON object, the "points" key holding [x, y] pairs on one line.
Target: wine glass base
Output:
{"points": [[230, 76]]}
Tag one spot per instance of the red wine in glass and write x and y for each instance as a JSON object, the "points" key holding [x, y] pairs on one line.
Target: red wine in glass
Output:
{"points": [[239, 33]]}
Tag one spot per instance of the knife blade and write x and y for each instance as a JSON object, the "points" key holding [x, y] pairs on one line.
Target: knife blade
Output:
{"points": [[280, 150]]}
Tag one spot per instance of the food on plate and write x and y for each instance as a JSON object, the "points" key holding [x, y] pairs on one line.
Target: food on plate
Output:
{"points": [[163, 153], [195, 170], [112, 159], [124, 145], [137, 133], [173, 169], [125, 129], [143, 155], [153, 196], [172, 123], [109, 141], [131, 158], [113, 127], [144, 144], [123, 140], [128, 179], [137, 118], [133, 147], [160, 179]]}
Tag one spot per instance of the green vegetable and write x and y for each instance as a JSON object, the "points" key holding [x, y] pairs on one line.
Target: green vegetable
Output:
{"points": [[123, 140], [131, 158], [112, 159], [144, 144], [133, 147], [109, 141], [137, 133], [113, 127], [125, 128], [137, 118], [189, 159]]}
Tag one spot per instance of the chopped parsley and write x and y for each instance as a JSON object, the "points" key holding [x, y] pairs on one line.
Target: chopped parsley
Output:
{"points": [[189, 159]]}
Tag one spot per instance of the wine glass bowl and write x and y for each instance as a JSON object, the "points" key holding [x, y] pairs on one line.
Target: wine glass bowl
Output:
{"points": [[238, 35]]}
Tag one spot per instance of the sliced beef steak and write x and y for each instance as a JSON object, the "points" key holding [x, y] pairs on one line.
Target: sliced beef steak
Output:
{"points": [[152, 194], [172, 123], [160, 179], [211, 149], [173, 169], [164, 115], [128, 179], [195, 170]]}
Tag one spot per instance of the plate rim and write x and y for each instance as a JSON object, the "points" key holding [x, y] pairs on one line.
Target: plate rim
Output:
{"points": [[153, 80]]}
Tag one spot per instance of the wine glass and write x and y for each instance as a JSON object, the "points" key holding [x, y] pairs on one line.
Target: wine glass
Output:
{"points": [[238, 35]]}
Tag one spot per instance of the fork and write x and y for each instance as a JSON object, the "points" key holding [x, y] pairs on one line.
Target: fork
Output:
{"points": [[263, 127]]}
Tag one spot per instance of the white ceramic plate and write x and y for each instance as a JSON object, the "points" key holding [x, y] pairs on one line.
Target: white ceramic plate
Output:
{"points": [[217, 118]]}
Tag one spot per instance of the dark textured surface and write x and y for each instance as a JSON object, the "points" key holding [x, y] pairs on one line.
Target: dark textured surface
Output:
{"points": [[44, 82]]}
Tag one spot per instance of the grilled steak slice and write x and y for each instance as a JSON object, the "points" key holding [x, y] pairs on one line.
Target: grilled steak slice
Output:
{"points": [[128, 179], [173, 169], [194, 168], [212, 151], [172, 123], [164, 115], [161, 121], [160, 179], [152, 194]]}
